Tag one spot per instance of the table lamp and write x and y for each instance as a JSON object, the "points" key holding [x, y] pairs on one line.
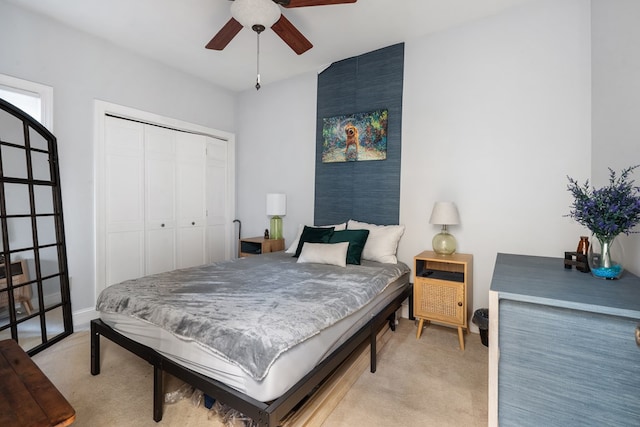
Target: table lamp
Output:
{"points": [[444, 213], [276, 206]]}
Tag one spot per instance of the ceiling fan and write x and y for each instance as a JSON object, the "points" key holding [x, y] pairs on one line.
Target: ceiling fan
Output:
{"points": [[261, 14]]}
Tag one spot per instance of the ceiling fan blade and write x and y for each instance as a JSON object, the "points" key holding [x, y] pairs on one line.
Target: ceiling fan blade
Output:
{"points": [[291, 36], [305, 3], [225, 35]]}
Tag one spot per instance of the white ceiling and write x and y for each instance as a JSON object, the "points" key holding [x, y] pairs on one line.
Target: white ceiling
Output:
{"points": [[175, 32]]}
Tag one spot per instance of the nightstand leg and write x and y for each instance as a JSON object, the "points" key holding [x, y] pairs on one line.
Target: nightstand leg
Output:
{"points": [[420, 324], [461, 338]]}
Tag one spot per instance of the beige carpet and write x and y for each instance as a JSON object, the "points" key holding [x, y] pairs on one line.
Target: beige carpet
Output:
{"points": [[426, 382]]}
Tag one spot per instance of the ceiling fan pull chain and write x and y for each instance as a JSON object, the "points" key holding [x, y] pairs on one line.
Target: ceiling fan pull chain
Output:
{"points": [[258, 29]]}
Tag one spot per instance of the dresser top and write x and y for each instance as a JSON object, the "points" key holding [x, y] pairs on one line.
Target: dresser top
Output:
{"points": [[544, 280]]}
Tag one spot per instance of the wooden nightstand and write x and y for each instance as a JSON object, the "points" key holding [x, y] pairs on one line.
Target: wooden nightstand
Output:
{"points": [[442, 290], [259, 245]]}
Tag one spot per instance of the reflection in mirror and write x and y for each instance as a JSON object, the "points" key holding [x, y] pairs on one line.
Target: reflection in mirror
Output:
{"points": [[11, 126], [20, 234], [29, 257], [49, 261], [40, 166], [4, 307], [29, 333], [37, 141], [55, 322], [22, 290], [43, 195], [46, 230], [44, 284], [51, 292], [14, 162], [19, 196]]}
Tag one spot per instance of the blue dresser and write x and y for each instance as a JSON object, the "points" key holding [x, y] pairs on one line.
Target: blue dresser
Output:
{"points": [[562, 346]]}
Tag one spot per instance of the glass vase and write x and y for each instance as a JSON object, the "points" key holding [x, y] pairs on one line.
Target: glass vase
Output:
{"points": [[606, 257]]}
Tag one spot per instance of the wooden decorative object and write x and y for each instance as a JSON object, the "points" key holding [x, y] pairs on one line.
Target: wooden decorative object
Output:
{"points": [[29, 398], [19, 275], [577, 260]]}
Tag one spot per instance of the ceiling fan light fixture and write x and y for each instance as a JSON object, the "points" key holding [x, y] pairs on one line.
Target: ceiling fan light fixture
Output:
{"points": [[255, 12]]}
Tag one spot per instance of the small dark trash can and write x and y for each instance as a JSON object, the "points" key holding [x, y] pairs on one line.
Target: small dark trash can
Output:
{"points": [[481, 318]]}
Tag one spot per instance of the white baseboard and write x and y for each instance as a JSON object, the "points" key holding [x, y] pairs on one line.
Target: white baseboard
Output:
{"points": [[82, 318]]}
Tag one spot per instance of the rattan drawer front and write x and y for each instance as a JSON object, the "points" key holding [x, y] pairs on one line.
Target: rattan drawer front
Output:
{"points": [[439, 300]]}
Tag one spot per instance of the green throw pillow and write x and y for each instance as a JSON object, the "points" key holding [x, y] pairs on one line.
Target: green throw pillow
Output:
{"points": [[314, 235], [356, 239]]}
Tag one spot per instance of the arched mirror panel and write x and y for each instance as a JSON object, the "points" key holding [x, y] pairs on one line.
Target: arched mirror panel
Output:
{"points": [[35, 304]]}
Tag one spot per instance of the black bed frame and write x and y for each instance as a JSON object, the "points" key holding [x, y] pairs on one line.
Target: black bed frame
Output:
{"points": [[267, 414]]}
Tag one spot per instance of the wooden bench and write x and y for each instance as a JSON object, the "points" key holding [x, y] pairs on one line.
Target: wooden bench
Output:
{"points": [[27, 397]]}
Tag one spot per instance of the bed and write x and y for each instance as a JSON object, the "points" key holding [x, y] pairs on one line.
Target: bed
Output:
{"points": [[309, 311]]}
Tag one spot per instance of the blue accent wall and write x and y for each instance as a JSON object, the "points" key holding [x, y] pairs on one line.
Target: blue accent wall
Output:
{"points": [[362, 190]]}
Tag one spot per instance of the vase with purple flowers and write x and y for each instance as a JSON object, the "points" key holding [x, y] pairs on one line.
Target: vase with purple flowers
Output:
{"points": [[607, 212]]}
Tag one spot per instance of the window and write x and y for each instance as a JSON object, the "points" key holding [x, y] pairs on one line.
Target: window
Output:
{"points": [[33, 98]]}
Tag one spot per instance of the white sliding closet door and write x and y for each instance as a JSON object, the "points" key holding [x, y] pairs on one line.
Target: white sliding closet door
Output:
{"points": [[166, 200]]}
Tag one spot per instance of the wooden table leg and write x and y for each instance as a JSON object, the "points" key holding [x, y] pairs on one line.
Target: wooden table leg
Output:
{"points": [[420, 324], [461, 337]]}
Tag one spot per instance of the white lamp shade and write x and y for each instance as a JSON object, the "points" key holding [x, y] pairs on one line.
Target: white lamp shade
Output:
{"points": [[255, 12], [276, 204], [444, 213]]}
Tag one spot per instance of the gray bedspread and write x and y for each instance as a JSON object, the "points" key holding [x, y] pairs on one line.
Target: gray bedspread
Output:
{"points": [[250, 310]]}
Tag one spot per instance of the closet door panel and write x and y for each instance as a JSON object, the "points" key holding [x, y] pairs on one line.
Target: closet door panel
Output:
{"points": [[159, 250], [191, 194], [124, 181], [125, 256], [191, 247], [217, 200], [160, 217]]}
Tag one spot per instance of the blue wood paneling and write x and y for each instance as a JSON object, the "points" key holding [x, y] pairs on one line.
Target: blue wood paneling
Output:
{"points": [[563, 367], [367, 190], [566, 345]]}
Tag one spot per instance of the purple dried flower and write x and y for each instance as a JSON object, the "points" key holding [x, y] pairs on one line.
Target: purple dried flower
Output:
{"points": [[610, 210]]}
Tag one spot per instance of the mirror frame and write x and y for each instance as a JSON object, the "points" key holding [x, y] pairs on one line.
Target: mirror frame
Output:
{"points": [[37, 312]]}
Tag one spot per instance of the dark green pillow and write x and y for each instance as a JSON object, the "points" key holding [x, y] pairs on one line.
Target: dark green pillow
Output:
{"points": [[313, 235], [356, 239]]}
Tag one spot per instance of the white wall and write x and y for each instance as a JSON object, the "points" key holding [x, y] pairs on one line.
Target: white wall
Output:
{"points": [[81, 68], [496, 115], [616, 98], [275, 146]]}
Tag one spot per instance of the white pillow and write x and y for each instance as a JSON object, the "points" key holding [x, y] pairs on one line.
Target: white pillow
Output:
{"points": [[325, 253], [294, 246], [382, 243]]}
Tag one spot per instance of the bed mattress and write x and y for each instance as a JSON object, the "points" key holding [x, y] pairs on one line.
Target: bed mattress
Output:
{"points": [[283, 372]]}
